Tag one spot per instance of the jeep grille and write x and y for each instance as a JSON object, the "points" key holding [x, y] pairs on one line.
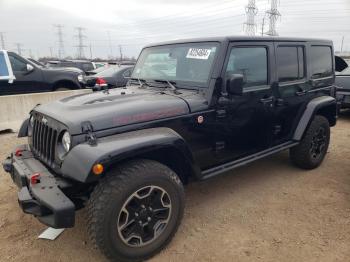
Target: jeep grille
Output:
{"points": [[44, 141]]}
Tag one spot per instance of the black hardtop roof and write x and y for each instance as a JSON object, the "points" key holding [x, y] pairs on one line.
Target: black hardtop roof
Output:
{"points": [[243, 39]]}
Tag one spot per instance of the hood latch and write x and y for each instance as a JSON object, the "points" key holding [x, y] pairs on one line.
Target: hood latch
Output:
{"points": [[88, 129]]}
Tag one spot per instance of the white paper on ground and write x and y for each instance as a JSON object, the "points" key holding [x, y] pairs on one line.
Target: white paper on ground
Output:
{"points": [[51, 233]]}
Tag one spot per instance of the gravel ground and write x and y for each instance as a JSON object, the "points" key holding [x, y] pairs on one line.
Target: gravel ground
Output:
{"points": [[266, 211]]}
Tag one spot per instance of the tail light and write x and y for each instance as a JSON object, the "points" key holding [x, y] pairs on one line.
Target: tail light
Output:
{"points": [[101, 82]]}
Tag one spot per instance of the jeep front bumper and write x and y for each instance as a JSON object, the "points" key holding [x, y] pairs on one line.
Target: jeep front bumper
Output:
{"points": [[43, 197]]}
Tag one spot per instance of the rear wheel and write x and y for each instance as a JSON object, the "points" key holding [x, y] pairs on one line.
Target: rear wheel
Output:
{"points": [[135, 210], [313, 147]]}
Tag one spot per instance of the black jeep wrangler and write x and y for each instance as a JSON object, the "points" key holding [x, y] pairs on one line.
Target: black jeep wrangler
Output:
{"points": [[192, 110]]}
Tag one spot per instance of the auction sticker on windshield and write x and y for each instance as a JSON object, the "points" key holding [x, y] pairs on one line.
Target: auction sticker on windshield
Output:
{"points": [[198, 53]]}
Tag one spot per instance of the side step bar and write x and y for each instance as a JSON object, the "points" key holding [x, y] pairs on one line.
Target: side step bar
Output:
{"points": [[243, 161]]}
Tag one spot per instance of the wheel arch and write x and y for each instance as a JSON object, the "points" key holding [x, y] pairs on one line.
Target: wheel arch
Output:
{"points": [[160, 144], [65, 83], [325, 106]]}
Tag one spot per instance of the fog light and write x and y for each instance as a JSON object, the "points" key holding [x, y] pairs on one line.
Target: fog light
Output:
{"points": [[35, 179], [97, 169]]}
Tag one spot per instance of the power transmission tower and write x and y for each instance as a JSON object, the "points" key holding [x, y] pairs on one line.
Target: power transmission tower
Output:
{"points": [[251, 10], [19, 48], [80, 45], [273, 14], [121, 52], [2, 39], [60, 41]]}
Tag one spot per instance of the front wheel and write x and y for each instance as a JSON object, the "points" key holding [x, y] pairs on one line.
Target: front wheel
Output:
{"points": [[313, 147], [135, 210]]}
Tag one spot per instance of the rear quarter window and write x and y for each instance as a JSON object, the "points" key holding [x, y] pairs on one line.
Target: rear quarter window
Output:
{"points": [[321, 62]]}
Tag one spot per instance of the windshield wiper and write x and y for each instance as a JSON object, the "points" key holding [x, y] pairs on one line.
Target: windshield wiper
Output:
{"points": [[171, 85], [142, 82]]}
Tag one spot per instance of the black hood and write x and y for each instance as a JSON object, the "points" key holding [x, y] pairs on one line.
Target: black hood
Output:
{"points": [[121, 107], [64, 70]]}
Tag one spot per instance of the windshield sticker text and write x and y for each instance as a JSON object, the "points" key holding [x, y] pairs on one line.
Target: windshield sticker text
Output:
{"points": [[198, 53]]}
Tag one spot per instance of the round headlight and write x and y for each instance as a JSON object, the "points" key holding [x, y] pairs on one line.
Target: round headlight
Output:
{"points": [[80, 78], [66, 141]]}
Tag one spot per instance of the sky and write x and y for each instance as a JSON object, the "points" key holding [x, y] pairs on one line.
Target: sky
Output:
{"points": [[111, 26]]}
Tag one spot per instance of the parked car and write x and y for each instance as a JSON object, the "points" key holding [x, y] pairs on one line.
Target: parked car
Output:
{"points": [[114, 76], [98, 70], [342, 81], [33, 78], [126, 154], [80, 64]]}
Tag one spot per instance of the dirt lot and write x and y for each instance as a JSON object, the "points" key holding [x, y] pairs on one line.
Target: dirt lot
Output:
{"points": [[267, 211]]}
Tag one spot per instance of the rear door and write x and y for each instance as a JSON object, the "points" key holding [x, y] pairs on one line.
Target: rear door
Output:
{"points": [[291, 89]]}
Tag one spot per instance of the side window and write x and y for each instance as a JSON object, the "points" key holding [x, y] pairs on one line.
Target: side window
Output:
{"points": [[17, 65], [321, 61], [290, 63], [88, 66], [251, 62]]}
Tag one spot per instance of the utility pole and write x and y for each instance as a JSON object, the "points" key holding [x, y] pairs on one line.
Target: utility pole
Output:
{"points": [[2, 39], [262, 26], [80, 45], [60, 41], [19, 48], [121, 52], [90, 51], [251, 10], [342, 44], [110, 45], [273, 15], [51, 52]]}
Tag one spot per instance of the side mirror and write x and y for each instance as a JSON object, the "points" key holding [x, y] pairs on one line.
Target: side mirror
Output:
{"points": [[30, 68], [6, 72], [234, 85]]}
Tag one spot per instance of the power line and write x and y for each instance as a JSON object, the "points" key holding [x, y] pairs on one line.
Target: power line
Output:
{"points": [[80, 45], [60, 41], [251, 10], [273, 15]]}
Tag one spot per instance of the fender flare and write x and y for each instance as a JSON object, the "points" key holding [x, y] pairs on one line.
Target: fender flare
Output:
{"points": [[109, 150], [311, 109], [23, 130]]}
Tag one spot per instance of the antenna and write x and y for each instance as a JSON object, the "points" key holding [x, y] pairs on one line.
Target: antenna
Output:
{"points": [[80, 45], [251, 10], [60, 41], [273, 14]]}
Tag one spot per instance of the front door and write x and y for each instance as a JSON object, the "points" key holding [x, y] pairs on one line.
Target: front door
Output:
{"points": [[25, 82], [244, 123]]}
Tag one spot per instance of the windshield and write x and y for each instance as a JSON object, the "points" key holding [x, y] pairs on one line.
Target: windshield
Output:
{"points": [[189, 63]]}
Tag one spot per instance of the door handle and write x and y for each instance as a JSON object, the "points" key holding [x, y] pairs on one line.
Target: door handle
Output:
{"points": [[267, 100], [301, 93]]}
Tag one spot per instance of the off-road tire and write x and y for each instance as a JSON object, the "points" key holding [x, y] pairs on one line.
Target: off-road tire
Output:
{"points": [[112, 192], [301, 154]]}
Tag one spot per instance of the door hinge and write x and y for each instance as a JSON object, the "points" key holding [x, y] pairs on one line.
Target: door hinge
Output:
{"points": [[88, 129], [219, 145], [221, 113], [277, 129]]}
